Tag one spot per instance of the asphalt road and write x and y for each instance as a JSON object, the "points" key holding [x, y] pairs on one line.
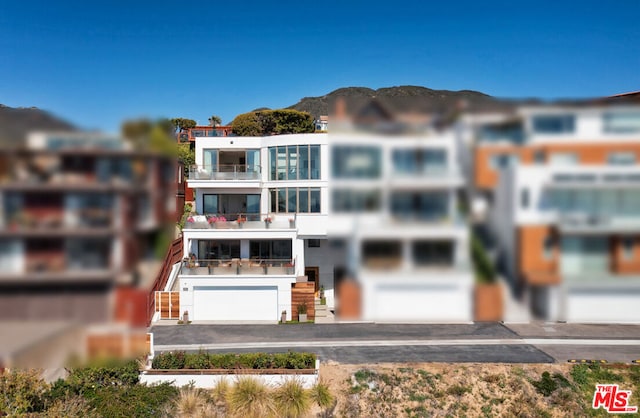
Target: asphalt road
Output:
{"points": [[373, 343]]}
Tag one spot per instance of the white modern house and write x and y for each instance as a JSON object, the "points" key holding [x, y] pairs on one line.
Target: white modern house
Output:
{"points": [[394, 212], [262, 226]]}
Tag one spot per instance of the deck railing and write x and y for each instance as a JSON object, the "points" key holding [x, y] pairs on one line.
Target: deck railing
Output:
{"points": [[173, 256], [237, 266]]}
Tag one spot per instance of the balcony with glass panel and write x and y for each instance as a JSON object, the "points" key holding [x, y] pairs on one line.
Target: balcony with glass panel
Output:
{"points": [[227, 166], [234, 257], [594, 209]]}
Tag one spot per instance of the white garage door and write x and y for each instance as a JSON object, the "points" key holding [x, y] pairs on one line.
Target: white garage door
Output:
{"points": [[420, 302], [235, 303], [604, 305]]}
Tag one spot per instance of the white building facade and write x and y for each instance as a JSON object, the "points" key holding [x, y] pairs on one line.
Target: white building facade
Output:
{"points": [[263, 209]]}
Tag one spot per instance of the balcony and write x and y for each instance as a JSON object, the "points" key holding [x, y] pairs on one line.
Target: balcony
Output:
{"points": [[237, 267], [598, 223], [75, 222], [224, 172], [240, 221]]}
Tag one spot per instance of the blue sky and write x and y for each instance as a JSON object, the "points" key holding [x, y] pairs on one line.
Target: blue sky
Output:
{"points": [[97, 63]]}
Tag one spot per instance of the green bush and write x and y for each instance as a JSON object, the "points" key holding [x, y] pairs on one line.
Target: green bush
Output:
{"points": [[197, 361], [181, 360], [104, 373], [132, 401], [170, 360], [484, 269]]}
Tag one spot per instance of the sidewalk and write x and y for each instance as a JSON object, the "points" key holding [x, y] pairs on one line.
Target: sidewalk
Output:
{"points": [[542, 329]]}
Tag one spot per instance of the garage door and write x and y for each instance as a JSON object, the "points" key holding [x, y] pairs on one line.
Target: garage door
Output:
{"points": [[420, 302], [603, 305], [235, 303]]}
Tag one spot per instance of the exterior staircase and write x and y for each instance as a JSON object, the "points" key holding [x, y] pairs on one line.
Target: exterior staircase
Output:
{"points": [[323, 314]]}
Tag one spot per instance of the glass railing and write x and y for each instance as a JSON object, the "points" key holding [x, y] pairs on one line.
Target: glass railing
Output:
{"points": [[241, 221], [225, 172], [586, 220], [237, 266]]}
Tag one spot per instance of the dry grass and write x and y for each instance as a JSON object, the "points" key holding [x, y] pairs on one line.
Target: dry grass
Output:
{"points": [[291, 399], [250, 398], [472, 390]]}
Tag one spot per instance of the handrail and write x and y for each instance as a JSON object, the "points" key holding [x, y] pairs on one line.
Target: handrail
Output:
{"points": [[236, 266], [172, 256], [228, 168]]}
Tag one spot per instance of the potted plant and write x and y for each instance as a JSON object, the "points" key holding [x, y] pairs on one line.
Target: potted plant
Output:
{"points": [[283, 317], [267, 221], [211, 220], [302, 312]]}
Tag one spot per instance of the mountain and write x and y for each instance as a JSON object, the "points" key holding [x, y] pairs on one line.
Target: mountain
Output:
{"points": [[16, 123], [406, 99]]}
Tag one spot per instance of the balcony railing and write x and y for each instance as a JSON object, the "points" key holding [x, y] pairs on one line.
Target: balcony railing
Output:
{"points": [[54, 220], [241, 221], [237, 267], [594, 222], [225, 172]]}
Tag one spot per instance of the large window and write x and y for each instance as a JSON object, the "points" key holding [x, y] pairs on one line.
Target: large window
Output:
{"points": [[432, 253], [270, 249], [419, 161], [607, 202], [621, 158], [426, 206], [230, 205], [219, 249], [294, 162], [621, 122], [359, 162], [351, 200], [295, 199], [553, 124]]}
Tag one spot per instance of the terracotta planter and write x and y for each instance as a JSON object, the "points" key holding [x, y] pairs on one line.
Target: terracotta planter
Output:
{"points": [[488, 302]]}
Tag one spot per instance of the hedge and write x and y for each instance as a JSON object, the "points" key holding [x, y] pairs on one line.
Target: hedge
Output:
{"points": [[182, 360]]}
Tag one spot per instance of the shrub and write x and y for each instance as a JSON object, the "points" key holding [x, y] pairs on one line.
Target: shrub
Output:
{"points": [[291, 399], [132, 401], [262, 361], [485, 271], [170, 360], [190, 402], [105, 373], [22, 392], [221, 390], [546, 385], [72, 406], [197, 361], [321, 395], [250, 398]]}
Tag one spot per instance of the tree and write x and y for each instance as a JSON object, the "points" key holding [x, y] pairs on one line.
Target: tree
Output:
{"points": [[145, 134], [187, 156], [290, 121], [270, 122], [181, 124], [246, 124], [215, 120]]}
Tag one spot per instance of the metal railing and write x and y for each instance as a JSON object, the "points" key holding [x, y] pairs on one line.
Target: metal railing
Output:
{"points": [[225, 172], [237, 266]]}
